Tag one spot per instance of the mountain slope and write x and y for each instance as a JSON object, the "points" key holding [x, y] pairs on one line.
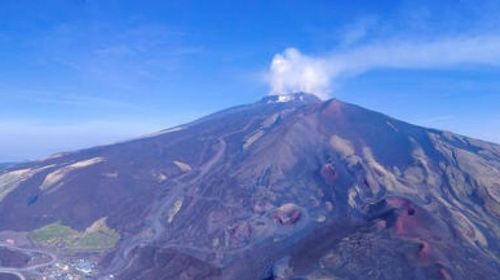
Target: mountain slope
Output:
{"points": [[285, 188]]}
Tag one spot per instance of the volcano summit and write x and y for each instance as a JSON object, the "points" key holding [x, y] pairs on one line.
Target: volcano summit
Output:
{"points": [[290, 187]]}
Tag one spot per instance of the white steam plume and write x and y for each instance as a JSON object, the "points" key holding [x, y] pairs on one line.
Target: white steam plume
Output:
{"points": [[292, 71]]}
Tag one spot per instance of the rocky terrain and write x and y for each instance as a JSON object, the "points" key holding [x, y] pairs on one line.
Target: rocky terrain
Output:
{"points": [[286, 188]]}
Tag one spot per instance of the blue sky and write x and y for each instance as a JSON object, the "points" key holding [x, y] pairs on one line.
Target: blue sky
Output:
{"points": [[78, 73]]}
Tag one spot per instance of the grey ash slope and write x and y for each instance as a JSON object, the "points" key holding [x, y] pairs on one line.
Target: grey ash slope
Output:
{"points": [[290, 188]]}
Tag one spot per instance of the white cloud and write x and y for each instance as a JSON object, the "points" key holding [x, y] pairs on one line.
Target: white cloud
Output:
{"points": [[441, 53], [293, 71], [357, 31]]}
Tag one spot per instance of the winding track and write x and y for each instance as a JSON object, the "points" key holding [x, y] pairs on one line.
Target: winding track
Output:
{"points": [[158, 226], [18, 271], [123, 260], [13, 272]]}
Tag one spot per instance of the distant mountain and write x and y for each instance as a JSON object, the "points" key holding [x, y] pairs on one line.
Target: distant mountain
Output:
{"points": [[290, 187], [5, 165]]}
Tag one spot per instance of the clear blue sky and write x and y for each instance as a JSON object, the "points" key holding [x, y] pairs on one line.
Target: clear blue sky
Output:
{"points": [[76, 73]]}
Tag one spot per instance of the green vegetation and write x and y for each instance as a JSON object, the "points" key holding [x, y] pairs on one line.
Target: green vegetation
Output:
{"points": [[54, 234], [95, 242], [97, 237]]}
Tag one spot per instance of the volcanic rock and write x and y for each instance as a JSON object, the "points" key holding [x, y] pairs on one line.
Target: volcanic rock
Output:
{"points": [[287, 214], [290, 186]]}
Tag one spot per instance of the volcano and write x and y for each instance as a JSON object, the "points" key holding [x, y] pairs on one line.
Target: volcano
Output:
{"points": [[289, 187]]}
